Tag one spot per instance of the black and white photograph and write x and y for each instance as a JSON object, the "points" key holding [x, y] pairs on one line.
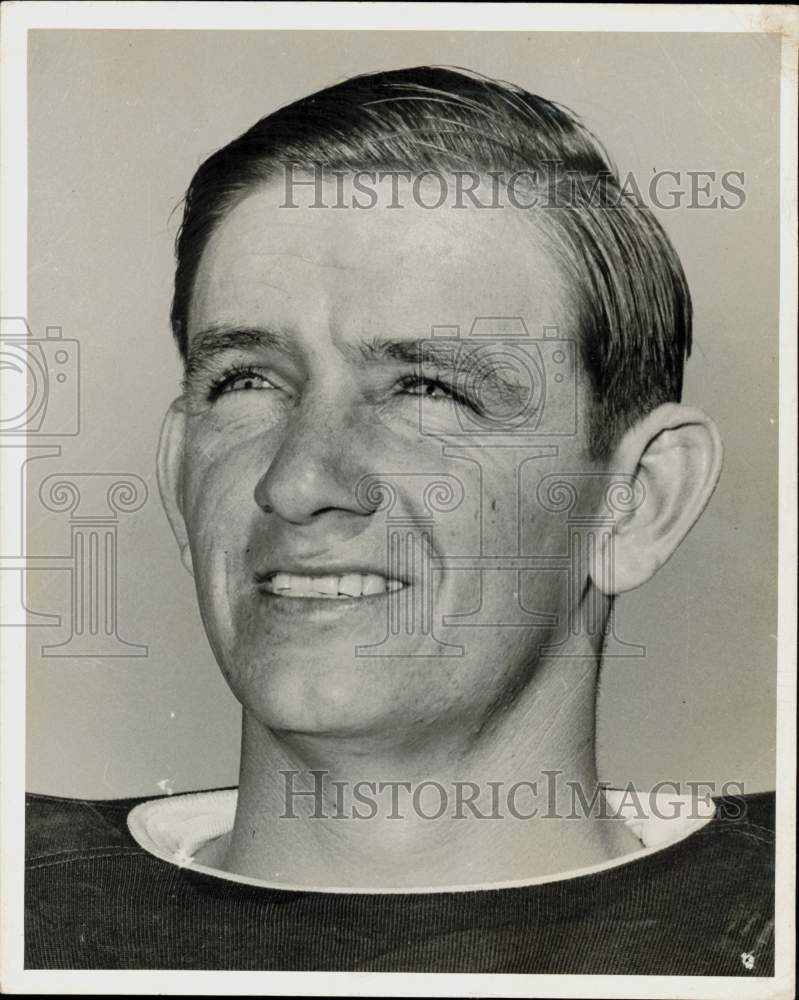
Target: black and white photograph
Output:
{"points": [[398, 486]]}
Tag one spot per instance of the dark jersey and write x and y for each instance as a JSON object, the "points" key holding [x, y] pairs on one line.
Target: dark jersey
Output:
{"points": [[95, 899]]}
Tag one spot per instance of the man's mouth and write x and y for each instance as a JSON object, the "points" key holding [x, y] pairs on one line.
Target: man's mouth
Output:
{"points": [[332, 587]]}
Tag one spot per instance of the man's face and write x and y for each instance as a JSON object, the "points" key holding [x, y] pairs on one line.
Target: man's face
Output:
{"points": [[306, 383]]}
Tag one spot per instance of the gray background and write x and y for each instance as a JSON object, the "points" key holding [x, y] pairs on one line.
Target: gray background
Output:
{"points": [[118, 121]]}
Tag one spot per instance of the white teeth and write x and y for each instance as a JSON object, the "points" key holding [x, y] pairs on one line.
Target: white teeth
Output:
{"points": [[347, 585], [351, 584], [373, 584]]}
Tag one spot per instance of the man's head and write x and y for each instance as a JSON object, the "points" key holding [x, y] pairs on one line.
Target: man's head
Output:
{"points": [[313, 375]]}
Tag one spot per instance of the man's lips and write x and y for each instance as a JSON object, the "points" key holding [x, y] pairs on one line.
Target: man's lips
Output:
{"points": [[352, 583]]}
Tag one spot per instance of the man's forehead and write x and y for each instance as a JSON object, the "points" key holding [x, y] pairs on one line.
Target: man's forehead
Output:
{"points": [[412, 266]]}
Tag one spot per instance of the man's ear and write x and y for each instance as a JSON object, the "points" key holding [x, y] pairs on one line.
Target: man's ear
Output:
{"points": [[675, 453], [170, 483]]}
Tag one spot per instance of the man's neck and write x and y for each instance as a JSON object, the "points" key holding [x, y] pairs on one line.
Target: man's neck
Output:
{"points": [[510, 802]]}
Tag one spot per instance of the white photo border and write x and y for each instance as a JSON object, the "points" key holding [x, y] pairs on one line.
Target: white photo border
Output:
{"points": [[17, 20]]}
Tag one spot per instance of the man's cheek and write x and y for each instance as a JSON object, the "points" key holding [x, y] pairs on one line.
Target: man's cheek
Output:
{"points": [[216, 466], [207, 443], [216, 510], [216, 431]]}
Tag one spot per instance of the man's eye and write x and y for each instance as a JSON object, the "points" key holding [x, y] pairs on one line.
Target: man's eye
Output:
{"points": [[416, 385], [238, 381]]}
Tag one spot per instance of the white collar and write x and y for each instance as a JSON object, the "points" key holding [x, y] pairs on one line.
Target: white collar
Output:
{"points": [[178, 827]]}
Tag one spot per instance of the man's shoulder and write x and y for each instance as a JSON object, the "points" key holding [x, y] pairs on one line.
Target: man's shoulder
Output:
{"points": [[757, 809], [79, 856], [744, 828], [734, 852], [711, 896], [58, 827]]}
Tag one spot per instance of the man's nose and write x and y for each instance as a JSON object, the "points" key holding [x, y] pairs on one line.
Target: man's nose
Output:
{"points": [[317, 466]]}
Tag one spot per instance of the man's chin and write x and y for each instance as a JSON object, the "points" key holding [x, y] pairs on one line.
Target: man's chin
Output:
{"points": [[316, 689]]}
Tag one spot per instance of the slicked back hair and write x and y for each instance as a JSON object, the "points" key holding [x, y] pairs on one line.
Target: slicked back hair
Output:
{"points": [[631, 298]]}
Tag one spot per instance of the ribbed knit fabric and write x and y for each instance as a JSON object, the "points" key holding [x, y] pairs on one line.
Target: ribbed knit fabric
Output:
{"points": [[95, 899]]}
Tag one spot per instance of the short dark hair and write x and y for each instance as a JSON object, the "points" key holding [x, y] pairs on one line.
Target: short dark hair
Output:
{"points": [[632, 302]]}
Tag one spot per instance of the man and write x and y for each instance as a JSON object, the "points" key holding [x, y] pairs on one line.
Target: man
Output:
{"points": [[430, 428]]}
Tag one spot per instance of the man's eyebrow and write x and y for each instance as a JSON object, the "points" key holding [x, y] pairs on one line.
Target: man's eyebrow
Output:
{"points": [[447, 357], [220, 337], [419, 351]]}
